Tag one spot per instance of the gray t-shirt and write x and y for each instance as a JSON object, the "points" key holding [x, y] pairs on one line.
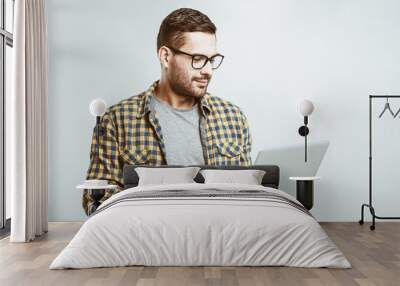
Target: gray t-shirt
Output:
{"points": [[181, 133]]}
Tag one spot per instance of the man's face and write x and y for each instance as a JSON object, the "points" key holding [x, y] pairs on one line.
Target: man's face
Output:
{"points": [[183, 78]]}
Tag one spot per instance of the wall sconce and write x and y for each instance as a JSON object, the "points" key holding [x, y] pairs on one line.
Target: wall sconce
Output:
{"points": [[306, 107], [97, 108]]}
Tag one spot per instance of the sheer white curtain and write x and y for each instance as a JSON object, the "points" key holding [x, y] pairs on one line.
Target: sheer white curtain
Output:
{"points": [[28, 123]]}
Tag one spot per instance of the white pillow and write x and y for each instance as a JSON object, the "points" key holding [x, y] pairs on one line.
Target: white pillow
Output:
{"points": [[249, 177], [163, 176]]}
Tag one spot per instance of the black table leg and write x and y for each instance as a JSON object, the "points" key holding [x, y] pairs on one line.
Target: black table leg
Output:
{"points": [[96, 195], [305, 193]]}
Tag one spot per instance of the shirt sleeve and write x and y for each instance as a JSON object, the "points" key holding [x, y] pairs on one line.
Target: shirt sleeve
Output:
{"points": [[104, 161], [245, 158]]}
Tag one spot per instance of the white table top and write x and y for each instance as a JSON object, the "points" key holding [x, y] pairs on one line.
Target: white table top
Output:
{"points": [[304, 178], [83, 186]]}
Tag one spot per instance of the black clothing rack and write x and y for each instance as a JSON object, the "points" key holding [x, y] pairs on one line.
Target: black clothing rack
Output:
{"points": [[369, 205]]}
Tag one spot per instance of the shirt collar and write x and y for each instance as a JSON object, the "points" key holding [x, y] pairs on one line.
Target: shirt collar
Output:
{"points": [[144, 106]]}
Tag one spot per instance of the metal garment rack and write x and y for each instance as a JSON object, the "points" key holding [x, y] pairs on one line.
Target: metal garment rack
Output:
{"points": [[369, 205]]}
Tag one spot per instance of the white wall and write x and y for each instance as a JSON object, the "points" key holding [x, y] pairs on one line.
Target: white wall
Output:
{"points": [[335, 53]]}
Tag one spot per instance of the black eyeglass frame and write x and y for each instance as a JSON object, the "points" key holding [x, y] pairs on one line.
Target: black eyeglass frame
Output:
{"points": [[194, 55]]}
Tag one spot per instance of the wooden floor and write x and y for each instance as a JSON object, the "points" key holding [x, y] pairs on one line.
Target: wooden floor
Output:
{"points": [[374, 255]]}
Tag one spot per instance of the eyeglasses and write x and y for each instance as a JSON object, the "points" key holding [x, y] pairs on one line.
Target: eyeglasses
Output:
{"points": [[199, 61]]}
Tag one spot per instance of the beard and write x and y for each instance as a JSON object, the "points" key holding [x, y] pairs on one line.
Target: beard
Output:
{"points": [[183, 84]]}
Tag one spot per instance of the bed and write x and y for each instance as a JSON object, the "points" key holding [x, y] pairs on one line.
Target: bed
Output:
{"points": [[201, 224]]}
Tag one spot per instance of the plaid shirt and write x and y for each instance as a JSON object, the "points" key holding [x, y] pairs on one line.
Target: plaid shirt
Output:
{"points": [[132, 135]]}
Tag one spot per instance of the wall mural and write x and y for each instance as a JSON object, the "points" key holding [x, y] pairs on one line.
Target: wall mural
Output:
{"points": [[175, 121]]}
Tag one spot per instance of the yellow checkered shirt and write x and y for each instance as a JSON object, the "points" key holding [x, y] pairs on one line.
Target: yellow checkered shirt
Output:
{"points": [[132, 135]]}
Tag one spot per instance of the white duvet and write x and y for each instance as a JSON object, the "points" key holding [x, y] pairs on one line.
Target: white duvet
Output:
{"points": [[183, 231]]}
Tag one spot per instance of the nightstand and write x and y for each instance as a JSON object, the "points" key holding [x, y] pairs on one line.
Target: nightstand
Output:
{"points": [[96, 193], [305, 190]]}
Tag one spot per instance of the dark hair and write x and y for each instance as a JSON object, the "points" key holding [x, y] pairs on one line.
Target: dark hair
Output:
{"points": [[181, 21]]}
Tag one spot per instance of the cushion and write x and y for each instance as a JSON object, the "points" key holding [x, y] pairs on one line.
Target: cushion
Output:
{"points": [[160, 176], [249, 177]]}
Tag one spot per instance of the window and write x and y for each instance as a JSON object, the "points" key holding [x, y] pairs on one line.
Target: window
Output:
{"points": [[6, 44]]}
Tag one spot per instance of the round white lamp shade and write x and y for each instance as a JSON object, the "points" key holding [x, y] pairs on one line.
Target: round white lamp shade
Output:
{"points": [[306, 107], [97, 107]]}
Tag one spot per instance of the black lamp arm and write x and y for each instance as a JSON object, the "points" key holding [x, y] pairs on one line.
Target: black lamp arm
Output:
{"points": [[100, 131], [303, 131]]}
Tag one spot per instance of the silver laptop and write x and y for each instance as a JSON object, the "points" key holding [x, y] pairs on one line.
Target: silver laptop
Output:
{"points": [[291, 163]]}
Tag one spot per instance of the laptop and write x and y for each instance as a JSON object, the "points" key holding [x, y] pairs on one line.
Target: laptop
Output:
{"points": [[290, 160]]}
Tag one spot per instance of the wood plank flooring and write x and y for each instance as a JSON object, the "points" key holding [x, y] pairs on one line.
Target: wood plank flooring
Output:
{"points": [[374, 255]]}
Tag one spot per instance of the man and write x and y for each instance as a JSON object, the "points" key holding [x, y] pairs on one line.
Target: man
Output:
{"points": [[174, 122]]}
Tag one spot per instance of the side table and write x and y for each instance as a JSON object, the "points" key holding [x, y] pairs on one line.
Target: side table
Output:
{"points": [[305, 190], [96, 193]]}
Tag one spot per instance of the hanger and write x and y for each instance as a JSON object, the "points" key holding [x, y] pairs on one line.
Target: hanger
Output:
{"points": [[387, 106], [397, 113]]}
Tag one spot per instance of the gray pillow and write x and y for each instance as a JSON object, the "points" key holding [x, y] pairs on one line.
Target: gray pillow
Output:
{"points": [[162, 176], [249, 177]]}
